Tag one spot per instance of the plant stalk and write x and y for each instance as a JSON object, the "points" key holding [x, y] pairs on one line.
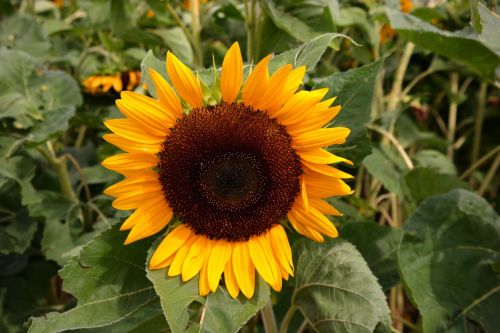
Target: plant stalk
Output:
{"points": [[480, 162], [478, 125], [452, 114], [286, 320], [489, 176], [397, 84], [268, 318], [196, 32]]}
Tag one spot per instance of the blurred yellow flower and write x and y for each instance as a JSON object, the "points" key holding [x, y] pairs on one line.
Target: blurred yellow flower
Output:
{"points": [[101, 84]]}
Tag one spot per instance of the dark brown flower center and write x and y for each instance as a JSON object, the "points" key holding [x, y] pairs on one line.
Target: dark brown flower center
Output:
{"points": [[229, 171]]}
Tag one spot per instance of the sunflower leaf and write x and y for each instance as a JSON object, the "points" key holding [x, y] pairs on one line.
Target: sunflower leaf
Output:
{"points": [[354, 90], [447, 254], [109, 281], [336, 291], [219, 312]]}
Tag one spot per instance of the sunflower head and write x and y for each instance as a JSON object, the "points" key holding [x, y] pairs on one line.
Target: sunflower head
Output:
{"points": [[233, 174]]}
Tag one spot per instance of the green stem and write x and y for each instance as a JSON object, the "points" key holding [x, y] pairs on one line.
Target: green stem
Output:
{"points": [[250, 23], [489, 176], [196, 32], [452, 114], [268, 318], [397, 84], [180, 23], [287, 319], [478, 125], [480, 162]]}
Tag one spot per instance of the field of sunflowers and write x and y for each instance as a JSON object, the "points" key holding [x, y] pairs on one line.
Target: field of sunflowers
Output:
{"points": [[255, 166]]}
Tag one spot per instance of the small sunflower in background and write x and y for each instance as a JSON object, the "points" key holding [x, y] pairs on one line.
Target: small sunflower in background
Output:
{"points": [[101, 84], [231, 173]]}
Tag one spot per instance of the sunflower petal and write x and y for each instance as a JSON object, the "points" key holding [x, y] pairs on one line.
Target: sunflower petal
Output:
{"points": [[304, 230], [186, 84], [274, 91], [150, 220], [324, 207], [169, 246], [257, 83], [230, 280], [221, 253], [176, 265], [326, 170], [232, 73], [321, 156], [195, 258], [263, 259], [131, 146], [281, 248], [130, 130], [130, 162], [320, 138], [244, 269], [203, 285], [166, 94]]}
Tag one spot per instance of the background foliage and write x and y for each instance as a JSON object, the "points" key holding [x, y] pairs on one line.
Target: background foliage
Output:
{"points": [[420, 238]]}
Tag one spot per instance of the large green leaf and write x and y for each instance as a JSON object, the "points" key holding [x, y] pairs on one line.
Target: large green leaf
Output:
{"points": [[447, 257], [378, 244], [307, 54], [176, 40], [384, 169], [490, 28], [461, 46], [22, 32], [222, 312], [16, 233], [109, 281], [354, 91], [36, 97], [336, 291]]}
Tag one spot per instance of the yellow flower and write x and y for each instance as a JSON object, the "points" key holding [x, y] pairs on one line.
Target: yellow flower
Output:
{"points": [[58, 3], [101, 84], [406, 5], [231, 173]]}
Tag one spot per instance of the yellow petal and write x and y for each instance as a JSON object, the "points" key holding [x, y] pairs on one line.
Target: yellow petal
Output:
{"points": [[299, 106], [130, 162], [176, 265], [315, 220], [290, 87], [143, 182], [130, 130], [257, 82], [166, 94], [320, 138], [305, 230], [323, 186], [303, 193], [263, 259], [321, 156], [131, 146], [169, 245], [230, 280], [326, 170], [186, 84], [117, 83], [133, 200], [150, 220], [324, 207], [203, 286], [232, 73], [147, 112], [195, 258], [274, 91], [244, 269], [281, 248], [317, 119], [221, 253]]}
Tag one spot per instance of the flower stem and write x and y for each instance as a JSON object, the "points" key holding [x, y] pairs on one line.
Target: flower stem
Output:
{"points": [[397, 84], [268, 318], [196, 32], [287, 319], [452, 114], [250, 23], [489, 176], [480, 162], [478, 125]]}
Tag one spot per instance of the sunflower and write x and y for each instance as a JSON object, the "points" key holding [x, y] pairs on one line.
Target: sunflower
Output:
{"points": [[230, 173], [101, 84]]}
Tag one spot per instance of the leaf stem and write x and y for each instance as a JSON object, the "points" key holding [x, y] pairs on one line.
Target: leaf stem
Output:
{"points": [[250, 23], [196, 32], [397, 84], [478, 124], [452, 114], [268, 318], [406, 322], [286, 320], [480, 162], [396, 144], [180, 23], [489, 176]]}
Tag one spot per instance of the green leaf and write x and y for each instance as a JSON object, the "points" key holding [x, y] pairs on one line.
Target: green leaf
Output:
{"points": [[150, 61], [422, 183], [336, 291], [109, 281], [383, 168], [16, 234], [435, 160], [354, 91], [378, 244], [36, 97], [177, 42], [446, 258], [21, 32], [222, 312], [356, 16], [307, 54], [462, 47], [120, 19], [490, 32], [21, 170]]}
